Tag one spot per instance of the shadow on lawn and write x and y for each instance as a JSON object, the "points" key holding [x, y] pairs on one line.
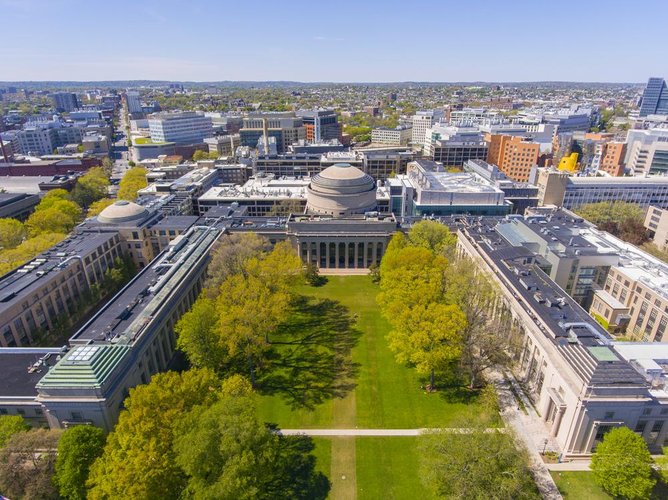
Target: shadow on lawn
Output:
{"points": [[310, 361], [452, 388]]}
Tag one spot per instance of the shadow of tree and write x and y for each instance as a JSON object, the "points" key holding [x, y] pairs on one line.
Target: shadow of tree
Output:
{"points": [[310, 359], [451, 387]]}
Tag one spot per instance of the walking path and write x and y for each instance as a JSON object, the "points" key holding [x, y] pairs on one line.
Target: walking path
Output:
{"points": [[529, 429], [375, 432]]}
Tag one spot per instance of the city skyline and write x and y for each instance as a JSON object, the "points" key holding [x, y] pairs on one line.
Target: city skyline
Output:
{"points": [[444, 42]]}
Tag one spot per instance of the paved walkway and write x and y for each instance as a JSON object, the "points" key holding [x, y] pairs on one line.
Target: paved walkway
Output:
{"points": [[373, 432], [332, 271], [529, 429]]}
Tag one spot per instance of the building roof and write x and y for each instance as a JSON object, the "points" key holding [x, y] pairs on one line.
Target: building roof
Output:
{"points": [[23, 367], [342, 175], [122, 211]]}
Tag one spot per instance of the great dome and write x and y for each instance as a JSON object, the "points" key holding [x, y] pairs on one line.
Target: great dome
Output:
{"points": [[341, 190], [122, 211]]}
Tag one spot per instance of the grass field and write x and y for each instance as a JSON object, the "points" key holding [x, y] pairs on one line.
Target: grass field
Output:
{"points": [[577, 485], [348, 376], [331, 368]]}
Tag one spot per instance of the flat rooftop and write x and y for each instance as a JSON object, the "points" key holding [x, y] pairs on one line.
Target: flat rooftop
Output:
{"points": [[258, 188], [23, 367], [19, 284]]}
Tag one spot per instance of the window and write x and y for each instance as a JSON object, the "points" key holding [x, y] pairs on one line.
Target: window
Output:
{"points": [[609, 415], [647, 411]]}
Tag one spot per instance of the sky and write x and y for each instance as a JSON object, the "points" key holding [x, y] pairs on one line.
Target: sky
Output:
{"points": [[334, 41]]}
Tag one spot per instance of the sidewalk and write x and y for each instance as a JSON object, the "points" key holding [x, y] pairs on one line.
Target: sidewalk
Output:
{"points": [[376, 432], [530, 430]]}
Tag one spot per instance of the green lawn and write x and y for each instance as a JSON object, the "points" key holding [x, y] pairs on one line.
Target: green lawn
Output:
{"points": [[388, 468], [349, 326], [578, 485]]}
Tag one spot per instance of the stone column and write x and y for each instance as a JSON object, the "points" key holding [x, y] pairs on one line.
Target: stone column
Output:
{"points": [[326, 255], [648, 430], [557, 420], [662, 434]]}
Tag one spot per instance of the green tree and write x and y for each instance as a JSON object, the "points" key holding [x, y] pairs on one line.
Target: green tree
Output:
{"points": [[622, 465], [428, 337], [27, 465], [133, 180], [487, 338], [228, 454], [60, 217], [107, 166], [433, 236], [200, 155], [621, 219], [231, 255], [138, 460], [479, 464], [12, 233], [199, 338], [91, 186], [97, 206], [10, 425], [78, 448], [14, 257]]}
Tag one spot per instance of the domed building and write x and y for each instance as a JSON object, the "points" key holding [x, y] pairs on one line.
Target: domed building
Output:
{"points": [[341, 190], [122, 211]]}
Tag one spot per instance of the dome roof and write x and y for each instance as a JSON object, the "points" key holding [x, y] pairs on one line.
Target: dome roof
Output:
{"points": [[342, 175], [122, 211]]}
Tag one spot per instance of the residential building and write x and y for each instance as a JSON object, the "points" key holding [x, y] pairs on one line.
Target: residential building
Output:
{"points": [[398, 136], [656, 222], [514, 155], [186, 127], [43, 137], [64, 102], [654, 98], [321, 124], [423, 120]]}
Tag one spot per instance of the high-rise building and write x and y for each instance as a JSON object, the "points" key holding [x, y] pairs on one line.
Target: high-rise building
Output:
{"points": [[423, 120], [647, 151], [187, 127], [320, 124], [134, 103], [514, 155], [65, 102], [397, 136], [654, 98], [453, 146], [285, 127]]}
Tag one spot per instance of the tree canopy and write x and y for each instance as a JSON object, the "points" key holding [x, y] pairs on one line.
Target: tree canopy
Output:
{"points": [[91, 187], [10, 425], [132, 181], [78, 448], [619, 218], [622, 465], [12, 233]]}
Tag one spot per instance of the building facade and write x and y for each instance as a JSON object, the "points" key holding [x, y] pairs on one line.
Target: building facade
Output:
{"points": [[654, 98], [187, 127], [514, 155]]}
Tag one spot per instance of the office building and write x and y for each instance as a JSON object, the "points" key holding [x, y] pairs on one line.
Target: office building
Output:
{"points": [[647, 151], [428, 189], [382, 164], [321, 124], [289, 164], [128, 340], [64, 102], [133, 101], [453, 145], [286, 128], [17, 205], [562, 190], [656, 222], [397, 136], [514, 155], [186, 127], [580, 381], [223, 145], [423, 120], [654, 98]]}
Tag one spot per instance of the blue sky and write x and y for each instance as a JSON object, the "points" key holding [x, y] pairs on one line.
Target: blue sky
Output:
{"points": [[207, 40]]}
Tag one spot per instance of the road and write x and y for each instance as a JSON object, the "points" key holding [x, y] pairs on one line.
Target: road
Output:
{"points": [[120, 153]]}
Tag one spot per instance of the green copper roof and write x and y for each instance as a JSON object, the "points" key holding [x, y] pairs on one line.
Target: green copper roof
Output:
{"points": [[84, 366]]}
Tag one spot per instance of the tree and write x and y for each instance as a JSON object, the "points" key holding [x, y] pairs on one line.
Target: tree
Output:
{"points": [[60, 217], [12, 233], [200, 155], [10, 425], [479, 464], [312, 275], [486, 337], [432, 235], [91, 186], [428, 337], [9, 259], [621, 219], [78, 448], [138, 460], [227, 453], [133, 180], [27, 465], [107, 166], [97, 206], [622, 465], [198, 336], [231, 255]]}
